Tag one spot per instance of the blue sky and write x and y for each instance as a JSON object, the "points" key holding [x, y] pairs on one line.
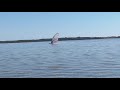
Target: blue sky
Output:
{"points": [[36, 25]]}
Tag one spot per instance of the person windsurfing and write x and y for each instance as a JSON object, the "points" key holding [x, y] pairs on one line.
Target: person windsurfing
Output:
{"points": [[55, 38], [51, 42]]}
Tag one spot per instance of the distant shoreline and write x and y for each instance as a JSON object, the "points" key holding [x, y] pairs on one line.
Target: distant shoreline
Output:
{"points": [[60, 39]]}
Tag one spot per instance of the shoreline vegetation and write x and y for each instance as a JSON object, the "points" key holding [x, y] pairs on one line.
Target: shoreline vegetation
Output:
{"points": [[60, 39]]}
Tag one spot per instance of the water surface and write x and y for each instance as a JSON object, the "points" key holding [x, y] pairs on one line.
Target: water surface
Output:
{"points": [[98, 58]]}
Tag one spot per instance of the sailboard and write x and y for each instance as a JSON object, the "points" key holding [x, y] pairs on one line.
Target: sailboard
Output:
{"points": [[55, 38]]}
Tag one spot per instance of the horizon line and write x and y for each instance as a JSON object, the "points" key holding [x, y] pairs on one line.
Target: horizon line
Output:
{"points": [[67, 37]]}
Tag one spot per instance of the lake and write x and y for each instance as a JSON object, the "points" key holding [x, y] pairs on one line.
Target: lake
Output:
{"points": [[98, 58]]}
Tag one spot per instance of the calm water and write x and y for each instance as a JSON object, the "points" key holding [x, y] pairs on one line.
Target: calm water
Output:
{"points": [[67, 59]]}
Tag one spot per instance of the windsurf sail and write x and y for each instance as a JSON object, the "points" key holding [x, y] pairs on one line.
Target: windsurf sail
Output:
{"points": [[55, 38]]}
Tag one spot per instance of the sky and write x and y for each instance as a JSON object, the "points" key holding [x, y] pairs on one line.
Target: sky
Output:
{"points": [[37, 25]]}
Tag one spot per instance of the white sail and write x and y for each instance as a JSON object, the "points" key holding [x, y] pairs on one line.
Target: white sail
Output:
{"points": [[55, 38]]}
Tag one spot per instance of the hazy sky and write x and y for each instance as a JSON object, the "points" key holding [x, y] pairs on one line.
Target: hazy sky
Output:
{"points": [[36, 25]]}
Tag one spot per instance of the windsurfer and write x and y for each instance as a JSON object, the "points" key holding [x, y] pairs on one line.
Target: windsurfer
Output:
{"points": [[51, 42], [55, 38]]}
